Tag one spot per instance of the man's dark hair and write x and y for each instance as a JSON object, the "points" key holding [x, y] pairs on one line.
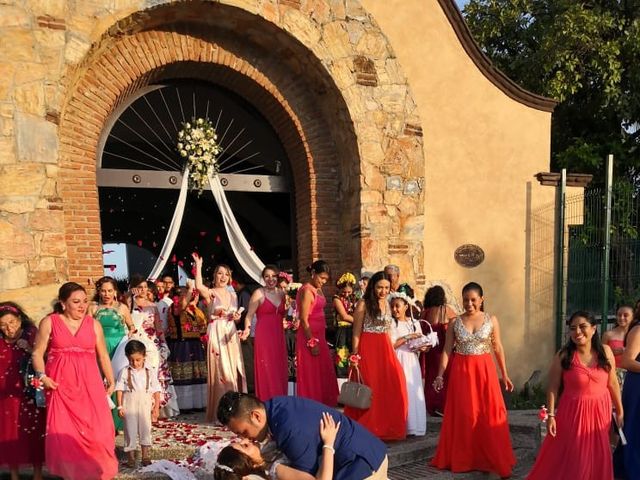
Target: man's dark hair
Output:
{"points": [[236, 405]]}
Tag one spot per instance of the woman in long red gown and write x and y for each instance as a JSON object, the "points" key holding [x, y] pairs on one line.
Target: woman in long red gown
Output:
{"points": [[438, 314], [379, 366], [21, 422], [316, 375], [80, 440], [577, 444], [475, 431], [269, 348]]}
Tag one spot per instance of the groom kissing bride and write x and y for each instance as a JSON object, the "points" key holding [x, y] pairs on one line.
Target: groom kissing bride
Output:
{"points": [[298, 439]]}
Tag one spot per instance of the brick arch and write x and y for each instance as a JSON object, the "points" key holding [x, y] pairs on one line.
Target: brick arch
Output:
{"points": [[311, 94]]}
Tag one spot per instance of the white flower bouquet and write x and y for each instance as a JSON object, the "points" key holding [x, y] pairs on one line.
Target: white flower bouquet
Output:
{"points": [[198, 145]]}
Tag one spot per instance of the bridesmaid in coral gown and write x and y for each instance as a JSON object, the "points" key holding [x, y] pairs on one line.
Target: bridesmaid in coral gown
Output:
{"points": [[269, 347], [80, 443], [316, 375], [475, 431], [577, 444], [378, 364]]}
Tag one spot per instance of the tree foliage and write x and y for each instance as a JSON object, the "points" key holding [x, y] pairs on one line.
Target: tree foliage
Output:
{"points": [[586, 55]]}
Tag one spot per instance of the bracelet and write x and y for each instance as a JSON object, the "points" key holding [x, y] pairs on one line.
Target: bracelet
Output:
{"points": [[354, 358], [119, 407], [39, 375], [439, 377], [551, 415], [329, 447], [312, 342]]}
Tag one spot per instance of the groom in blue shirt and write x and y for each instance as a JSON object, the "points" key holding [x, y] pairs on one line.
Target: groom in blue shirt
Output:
{"points": [[293, 423]]}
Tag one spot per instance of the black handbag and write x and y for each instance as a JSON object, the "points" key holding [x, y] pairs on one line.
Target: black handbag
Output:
{"points": [[355, 394]]}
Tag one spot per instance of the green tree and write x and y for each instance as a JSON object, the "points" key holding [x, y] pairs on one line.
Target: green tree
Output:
{"points": [[586, 55]]}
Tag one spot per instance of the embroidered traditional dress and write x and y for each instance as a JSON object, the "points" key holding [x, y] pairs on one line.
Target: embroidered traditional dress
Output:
{"points": [[187, 360], [475, 432], [382, 372], [344, 334]]}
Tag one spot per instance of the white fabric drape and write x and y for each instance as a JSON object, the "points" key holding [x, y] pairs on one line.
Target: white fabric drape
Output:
{"points": [[246, 257], [174, 228]]}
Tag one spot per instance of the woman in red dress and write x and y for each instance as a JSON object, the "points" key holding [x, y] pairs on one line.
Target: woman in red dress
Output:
{"points": [[475, 431], [374, 356], [438, 314], [269, 348], [80, 440], [316, 376], [21, 422], [585, 368]]}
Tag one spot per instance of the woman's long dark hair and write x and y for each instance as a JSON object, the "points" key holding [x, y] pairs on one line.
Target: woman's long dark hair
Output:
{"points": [[635, 322], [240, 463], [435, 297], [370, 298], [566, 353]]}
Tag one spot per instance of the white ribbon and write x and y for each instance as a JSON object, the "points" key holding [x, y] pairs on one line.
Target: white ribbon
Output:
{"points": [[246, 257], [174, 228]]}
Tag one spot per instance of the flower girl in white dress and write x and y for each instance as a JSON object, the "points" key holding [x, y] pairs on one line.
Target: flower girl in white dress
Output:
{"points": [[404, 329]]}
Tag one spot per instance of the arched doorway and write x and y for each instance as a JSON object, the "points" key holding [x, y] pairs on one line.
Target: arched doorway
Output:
{"points": [[347, 122], [139, 172]]}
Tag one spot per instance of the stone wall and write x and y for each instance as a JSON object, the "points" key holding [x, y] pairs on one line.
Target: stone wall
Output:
{"points": [[322, 71]]}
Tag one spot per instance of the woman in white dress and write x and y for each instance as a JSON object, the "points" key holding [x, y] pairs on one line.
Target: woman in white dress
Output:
{"points": [[403, 329]]}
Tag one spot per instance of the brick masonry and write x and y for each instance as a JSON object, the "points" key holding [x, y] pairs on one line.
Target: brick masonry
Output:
{"points": [[320, 71]]}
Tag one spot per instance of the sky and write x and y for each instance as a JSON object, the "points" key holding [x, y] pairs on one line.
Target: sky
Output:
{"points": [[461, 3]]}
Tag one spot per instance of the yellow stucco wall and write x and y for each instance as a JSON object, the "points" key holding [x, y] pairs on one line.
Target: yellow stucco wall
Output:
{"points": [[482, 149]]}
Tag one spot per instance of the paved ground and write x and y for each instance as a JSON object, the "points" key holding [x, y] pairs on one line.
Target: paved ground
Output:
{"points": [[408, 459]]}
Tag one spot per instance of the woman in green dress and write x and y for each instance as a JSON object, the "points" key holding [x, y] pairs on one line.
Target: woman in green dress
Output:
{"points": [[116, 322]]}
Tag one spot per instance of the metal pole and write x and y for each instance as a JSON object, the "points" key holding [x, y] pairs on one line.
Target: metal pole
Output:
{"points": [[607, 246], [560, 261]]}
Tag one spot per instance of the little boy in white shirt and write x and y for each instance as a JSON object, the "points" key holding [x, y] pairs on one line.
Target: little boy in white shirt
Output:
{"points": [[138, 400]]}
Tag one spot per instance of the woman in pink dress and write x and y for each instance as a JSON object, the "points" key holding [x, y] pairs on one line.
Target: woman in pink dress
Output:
{"points": [[80, 440], [269, 347], [224, 354], [316, 374], [577, 444], [21, 422]]}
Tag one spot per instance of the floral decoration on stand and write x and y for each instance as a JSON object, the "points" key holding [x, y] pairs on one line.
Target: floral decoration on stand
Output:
{"points": [[198, 145]]}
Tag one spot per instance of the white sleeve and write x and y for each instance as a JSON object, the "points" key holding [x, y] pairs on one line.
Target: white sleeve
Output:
{"points": [[394, 332], [121, 383]]}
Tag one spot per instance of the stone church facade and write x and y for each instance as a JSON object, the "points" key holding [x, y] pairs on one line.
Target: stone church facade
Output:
{"points": [[404, 143]]}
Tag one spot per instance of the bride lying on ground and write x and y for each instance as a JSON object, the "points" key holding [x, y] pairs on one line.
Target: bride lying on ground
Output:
{"points": [[243, 460]]}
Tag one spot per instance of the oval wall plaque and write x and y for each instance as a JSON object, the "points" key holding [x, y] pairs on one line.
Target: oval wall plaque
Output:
{"points": [[469, 255]]}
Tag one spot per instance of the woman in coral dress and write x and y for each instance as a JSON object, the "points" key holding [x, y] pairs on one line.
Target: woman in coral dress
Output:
{"points": [[80, 440], [224, 354], [374, 356], [21, 422], [269, 347], [316, 374], [475, 431], [577, 444]]}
